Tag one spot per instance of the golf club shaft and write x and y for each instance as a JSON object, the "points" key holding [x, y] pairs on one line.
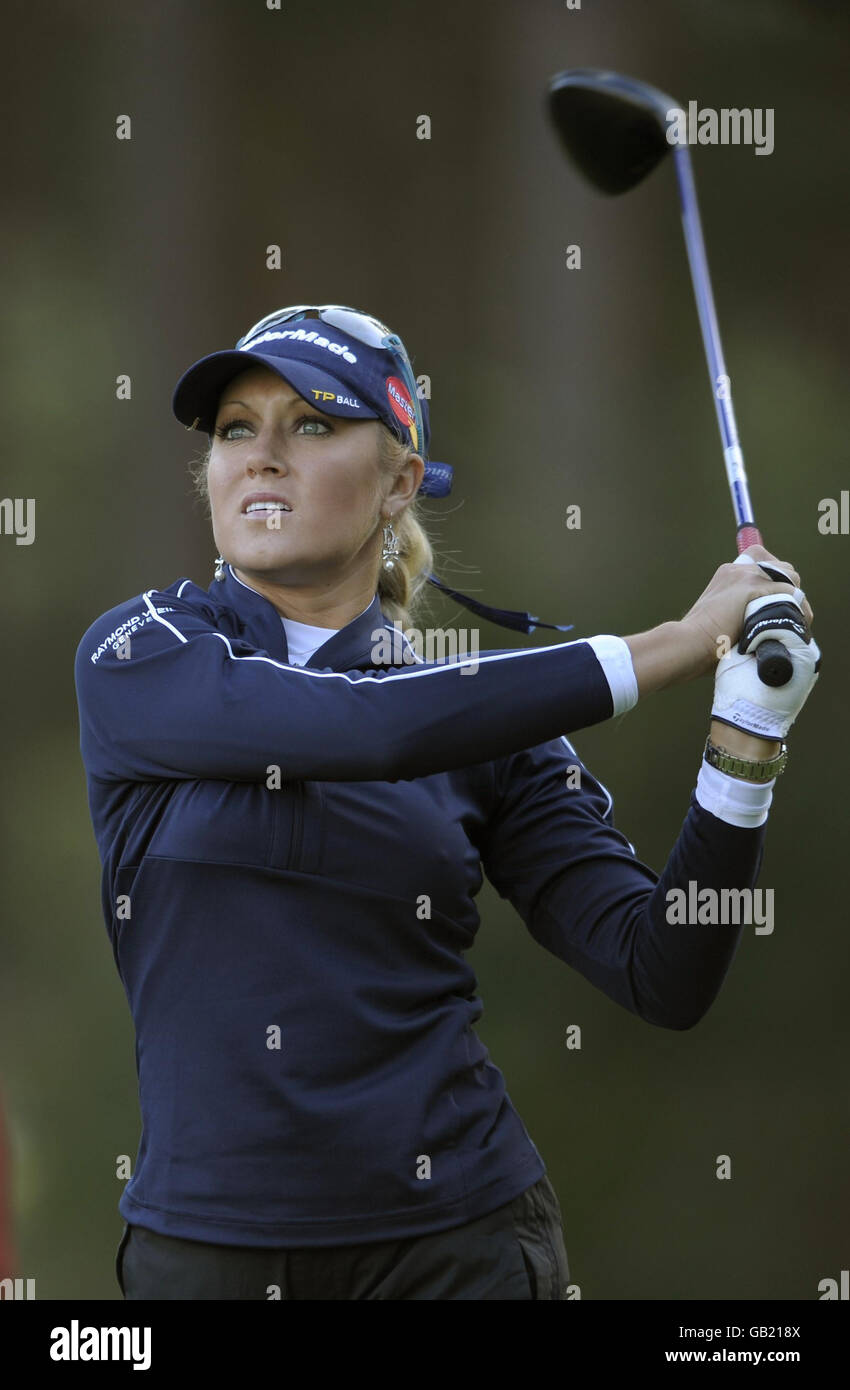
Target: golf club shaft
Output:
{"points": [[616, 129], [748, 534], [720, 384]]}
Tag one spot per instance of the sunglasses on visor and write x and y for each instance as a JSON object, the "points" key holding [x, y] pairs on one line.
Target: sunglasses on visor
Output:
{"points": [[355, 324]]}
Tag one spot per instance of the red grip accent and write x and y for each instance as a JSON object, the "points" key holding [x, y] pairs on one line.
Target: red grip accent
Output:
{"points": [[747, 536]]}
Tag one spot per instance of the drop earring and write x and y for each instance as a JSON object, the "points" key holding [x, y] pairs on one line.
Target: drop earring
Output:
{"points": [[220, 567], [391, 547]]}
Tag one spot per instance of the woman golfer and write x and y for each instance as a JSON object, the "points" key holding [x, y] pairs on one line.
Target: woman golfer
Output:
{"points": [[293, 814]]}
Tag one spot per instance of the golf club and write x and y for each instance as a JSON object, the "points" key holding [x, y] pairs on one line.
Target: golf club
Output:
{"points": [[614, 129]]}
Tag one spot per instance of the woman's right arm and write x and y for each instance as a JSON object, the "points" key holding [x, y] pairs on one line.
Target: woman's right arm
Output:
{"points": [[171, 697], [176, 698]]}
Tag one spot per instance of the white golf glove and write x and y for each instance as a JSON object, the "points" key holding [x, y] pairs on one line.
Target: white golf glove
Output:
{"points": [[740, 697]]}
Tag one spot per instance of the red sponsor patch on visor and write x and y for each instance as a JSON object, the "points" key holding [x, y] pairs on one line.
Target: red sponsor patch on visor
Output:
{"points": [[402, 406]]}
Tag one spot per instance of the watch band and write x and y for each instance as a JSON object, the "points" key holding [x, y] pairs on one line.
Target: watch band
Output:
{"points": [[758, 770]]}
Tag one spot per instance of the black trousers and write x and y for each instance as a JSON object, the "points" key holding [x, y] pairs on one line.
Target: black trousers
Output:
{"points": [[515, 1252]]}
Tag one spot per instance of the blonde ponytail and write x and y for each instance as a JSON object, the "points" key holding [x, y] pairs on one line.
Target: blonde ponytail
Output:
{"points": [[401, 587]]}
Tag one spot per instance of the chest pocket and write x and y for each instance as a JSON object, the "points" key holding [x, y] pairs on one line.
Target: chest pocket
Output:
{"points": [[225, 823], [298, 830], [405, 838]]}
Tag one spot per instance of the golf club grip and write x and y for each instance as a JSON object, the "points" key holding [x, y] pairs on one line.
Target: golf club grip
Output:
{"points": [[775, 666]]}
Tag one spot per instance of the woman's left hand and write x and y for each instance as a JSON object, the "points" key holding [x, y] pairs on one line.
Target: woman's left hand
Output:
{"points": [[765, 711]]}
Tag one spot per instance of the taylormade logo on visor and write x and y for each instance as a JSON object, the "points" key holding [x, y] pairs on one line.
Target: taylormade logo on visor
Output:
{"points": [[338, 349]]}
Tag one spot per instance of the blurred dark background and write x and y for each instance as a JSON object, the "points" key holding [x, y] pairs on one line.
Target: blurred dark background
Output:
{"points": [[549, 387]]}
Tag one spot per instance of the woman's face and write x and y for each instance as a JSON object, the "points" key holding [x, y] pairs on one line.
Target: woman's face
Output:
{"points": [[269, 440]]}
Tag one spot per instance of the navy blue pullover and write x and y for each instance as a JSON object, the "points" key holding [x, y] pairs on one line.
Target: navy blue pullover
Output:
{"points": [[294, 955]]}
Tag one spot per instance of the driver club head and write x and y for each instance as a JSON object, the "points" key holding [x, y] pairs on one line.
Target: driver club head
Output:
{"points": [[612, 127]]}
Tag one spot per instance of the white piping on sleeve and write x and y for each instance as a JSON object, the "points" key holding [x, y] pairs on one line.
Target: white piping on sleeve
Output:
{"points": [[164, 621], [610, 805], [307, 671]]}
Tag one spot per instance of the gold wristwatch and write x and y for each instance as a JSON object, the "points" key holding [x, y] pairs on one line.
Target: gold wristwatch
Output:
{"points": [[759, 770]]}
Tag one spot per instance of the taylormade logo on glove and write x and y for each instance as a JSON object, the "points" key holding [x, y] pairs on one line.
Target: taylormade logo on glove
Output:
{"points": [[740, 697]]}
